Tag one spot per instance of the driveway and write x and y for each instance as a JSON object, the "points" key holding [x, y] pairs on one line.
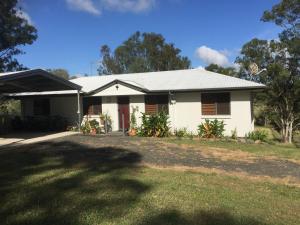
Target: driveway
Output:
{"points": [[155, 152]]}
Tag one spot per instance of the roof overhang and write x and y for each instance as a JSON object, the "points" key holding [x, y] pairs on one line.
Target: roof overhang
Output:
{"points": [[36, 80]]}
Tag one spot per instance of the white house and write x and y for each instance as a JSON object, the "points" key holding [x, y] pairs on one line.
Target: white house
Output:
{"points": [[188, 96]]}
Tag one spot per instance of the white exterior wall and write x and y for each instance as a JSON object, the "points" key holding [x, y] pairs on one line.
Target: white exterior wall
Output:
{"points": [[186, 112], [110, 106], [138, 102]]}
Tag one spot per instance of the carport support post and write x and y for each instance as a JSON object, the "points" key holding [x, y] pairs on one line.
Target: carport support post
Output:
{"points": [[78, 109]]}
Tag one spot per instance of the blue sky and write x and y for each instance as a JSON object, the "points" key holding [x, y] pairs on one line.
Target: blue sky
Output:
{"points": [[70, 32]]}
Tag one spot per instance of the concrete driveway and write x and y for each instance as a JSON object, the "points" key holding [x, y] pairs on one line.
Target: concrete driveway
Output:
{"points": [[30, 137]]}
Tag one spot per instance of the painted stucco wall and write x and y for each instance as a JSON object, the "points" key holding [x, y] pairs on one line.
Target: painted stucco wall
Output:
{"points": [[110, 107], [186, 112], [138, 103]]}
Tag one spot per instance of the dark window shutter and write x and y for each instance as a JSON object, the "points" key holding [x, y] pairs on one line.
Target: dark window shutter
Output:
{"points": [[92, 105], [156, 103], [215, 103]]}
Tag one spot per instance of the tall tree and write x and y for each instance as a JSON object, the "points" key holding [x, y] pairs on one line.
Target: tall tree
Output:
{"points": [[14, 32], [281, 59], [142, 53], [60, 73], [230, 71]]}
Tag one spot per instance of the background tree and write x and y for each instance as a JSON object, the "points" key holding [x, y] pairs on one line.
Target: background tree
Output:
{"points": [[14, 32], [142, 53], [230, 71], [281, 59], [60, 73]]}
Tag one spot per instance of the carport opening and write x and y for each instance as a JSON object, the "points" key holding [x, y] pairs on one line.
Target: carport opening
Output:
{"points": [[15, 86]]}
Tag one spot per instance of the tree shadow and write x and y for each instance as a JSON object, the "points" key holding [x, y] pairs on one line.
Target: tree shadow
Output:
{"points": [[64, 182], [200, 217]]}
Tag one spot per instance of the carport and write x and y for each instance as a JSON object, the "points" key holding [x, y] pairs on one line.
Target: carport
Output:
{"points": [[36, 80]]}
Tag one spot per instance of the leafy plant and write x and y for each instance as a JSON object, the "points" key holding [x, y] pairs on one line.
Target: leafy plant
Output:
{"points": [[211, 129], [260, 135], [154, 125], [180, 133]]}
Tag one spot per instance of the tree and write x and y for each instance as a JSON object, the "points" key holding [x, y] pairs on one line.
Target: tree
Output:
{"points": [[142, 53], [281, 59], [230, 71], [14, 32], [60, 73]]}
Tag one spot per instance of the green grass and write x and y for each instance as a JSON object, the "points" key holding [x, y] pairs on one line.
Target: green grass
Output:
{"points": [[71, 184], [284, 151]]}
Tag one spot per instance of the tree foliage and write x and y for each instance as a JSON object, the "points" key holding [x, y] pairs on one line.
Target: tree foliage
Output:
{"points": [[14, 32], [144, 52], [281, 60], [230, 71], [60, 73]]}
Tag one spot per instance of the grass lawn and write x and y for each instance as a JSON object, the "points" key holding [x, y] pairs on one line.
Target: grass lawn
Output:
{"points": [[51, 184], [282, 151]]}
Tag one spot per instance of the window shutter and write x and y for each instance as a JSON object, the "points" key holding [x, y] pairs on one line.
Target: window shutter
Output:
{"points": [[215, 103]]}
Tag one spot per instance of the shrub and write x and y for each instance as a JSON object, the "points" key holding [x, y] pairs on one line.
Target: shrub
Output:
{"points": [[260, 135], [211, 129], [180, 133], [154, 125]]}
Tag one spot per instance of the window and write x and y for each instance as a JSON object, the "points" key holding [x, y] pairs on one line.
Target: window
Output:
{"points": [[156, 103], [92, 105], [41, 107], [215, 103]]}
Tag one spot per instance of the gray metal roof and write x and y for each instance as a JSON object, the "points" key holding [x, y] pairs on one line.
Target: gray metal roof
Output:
{"points": [[191, 79]]}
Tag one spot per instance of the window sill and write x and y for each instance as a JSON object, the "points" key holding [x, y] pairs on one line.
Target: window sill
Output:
{"points": [[216, 117]]}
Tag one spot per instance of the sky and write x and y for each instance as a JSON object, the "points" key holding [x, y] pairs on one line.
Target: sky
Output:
{"points": [[71, 32]]}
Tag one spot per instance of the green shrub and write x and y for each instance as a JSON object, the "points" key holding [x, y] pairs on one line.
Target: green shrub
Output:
{"points": [[154, 125], [211, 129], [180, 133], [260, 135]]}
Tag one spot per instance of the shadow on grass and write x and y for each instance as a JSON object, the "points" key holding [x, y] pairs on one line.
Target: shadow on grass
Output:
{"points": [[203, 217], [70, 183], [66, 183]]}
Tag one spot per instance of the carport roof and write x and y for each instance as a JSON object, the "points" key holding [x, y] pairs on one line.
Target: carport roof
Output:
{"points": [[36, 80]]}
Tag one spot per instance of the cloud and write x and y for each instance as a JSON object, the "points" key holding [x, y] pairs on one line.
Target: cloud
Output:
{"points": [[209, 55], [24, 15], [135, 6], [84, 5]]}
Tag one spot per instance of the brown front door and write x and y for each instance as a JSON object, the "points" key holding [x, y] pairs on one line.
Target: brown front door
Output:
{"points": [[123, 108]]}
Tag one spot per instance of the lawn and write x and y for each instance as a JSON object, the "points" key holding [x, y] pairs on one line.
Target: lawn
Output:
{"points": [[283, 151], [51, 183]]}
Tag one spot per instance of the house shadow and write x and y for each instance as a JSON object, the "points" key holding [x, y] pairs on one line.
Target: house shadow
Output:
{"points": [[62, 182]]}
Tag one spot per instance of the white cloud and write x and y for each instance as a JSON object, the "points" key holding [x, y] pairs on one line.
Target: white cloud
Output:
{"points": [[209, 55], [128, 5], [24, 15], [84, 5]]}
